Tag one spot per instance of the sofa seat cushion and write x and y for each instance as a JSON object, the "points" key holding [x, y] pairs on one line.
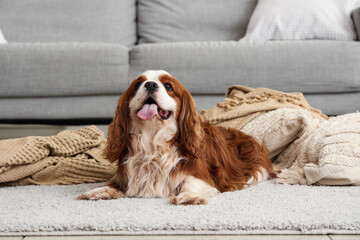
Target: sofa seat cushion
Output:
{"points": [[211, 67], [62, 69], [103, 107], [74, 107]]}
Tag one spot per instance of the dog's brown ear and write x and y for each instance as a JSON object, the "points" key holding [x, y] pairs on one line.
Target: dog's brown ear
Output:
{"points": [[118, 142], [190, 132]]}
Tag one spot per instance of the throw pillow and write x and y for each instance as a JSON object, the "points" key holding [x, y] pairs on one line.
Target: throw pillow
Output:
{"points": [[278, 128], [2, 39], [302, 19]]}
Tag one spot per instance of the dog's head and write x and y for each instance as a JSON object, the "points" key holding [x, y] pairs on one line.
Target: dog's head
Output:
{"points": [[154, 101]]}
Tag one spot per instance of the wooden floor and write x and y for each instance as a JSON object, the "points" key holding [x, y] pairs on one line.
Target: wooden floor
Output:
{"points": [[216, 237]]}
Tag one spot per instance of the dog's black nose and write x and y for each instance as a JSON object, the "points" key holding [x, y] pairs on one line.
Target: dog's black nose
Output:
{"points": [[151, 87]]}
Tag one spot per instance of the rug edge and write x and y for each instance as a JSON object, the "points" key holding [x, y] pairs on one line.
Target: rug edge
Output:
{"points": [[179, 232]]}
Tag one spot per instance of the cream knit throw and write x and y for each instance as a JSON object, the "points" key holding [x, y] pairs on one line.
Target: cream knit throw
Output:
{"points": [[72, 156], [326, 152]]}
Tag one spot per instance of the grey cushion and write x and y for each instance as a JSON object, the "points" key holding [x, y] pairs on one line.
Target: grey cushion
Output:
{"points": [[74, 107], [210, 67], [37, 108], [187, 20], [356, 18], [103, 107], [62, 69], [110, 21], [334, 103]]}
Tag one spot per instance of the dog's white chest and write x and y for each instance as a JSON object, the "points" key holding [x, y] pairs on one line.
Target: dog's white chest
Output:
{"points": [[149, 170], [150, 176]]}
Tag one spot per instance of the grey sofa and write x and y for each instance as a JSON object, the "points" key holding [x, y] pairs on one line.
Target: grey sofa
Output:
{"points": [[71, 60]]}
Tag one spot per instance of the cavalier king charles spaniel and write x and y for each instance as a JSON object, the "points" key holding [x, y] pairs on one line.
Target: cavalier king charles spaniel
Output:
{"points": [[163, 149]]}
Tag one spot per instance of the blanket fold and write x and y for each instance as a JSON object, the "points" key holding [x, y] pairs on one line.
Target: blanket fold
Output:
{"points": [[243, 104], [72, 156]]}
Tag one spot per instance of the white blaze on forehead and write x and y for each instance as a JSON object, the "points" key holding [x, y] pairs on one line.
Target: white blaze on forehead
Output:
{"points": [[154, 74]]}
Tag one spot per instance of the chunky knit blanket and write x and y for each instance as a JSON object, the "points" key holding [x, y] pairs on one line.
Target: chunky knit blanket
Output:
{"points": [[72, 156], [325, 152]]}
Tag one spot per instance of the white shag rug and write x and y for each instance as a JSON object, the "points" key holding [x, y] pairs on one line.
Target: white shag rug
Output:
{"points": [[267, 208]]}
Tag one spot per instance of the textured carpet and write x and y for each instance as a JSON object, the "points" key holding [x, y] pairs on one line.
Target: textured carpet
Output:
{"points": [[263, 209]]}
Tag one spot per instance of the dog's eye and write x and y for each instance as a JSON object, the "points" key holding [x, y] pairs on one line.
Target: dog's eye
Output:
{"points": [[168, 87], [137, 85]]}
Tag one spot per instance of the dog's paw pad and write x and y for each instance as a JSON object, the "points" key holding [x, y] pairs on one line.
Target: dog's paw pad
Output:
{"points": [[188, 198], [103, 193]]}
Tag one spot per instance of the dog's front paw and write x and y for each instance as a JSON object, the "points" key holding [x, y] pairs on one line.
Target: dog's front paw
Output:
{"points": [[189, 198], [103, 193]]}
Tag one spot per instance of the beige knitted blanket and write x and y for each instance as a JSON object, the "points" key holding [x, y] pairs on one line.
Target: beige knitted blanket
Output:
{"points": [[72, 156], [243, 104]]}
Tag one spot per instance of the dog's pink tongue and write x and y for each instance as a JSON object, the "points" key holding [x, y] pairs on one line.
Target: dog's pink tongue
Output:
{"points": [[148, 111]]}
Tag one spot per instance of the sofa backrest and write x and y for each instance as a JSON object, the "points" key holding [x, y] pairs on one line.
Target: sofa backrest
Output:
{"points": [[192, 20], [112, 21]]}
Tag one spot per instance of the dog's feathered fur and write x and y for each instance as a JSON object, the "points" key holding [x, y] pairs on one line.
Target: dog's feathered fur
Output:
{"points": [[179, 157]]}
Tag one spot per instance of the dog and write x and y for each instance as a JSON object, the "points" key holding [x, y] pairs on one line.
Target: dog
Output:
{"points": [[163, 149]]}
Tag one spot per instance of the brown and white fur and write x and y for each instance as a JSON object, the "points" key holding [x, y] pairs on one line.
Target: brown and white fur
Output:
{"points": [[169, 152]]}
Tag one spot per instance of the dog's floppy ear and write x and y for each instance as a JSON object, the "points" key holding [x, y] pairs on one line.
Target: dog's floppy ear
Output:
{"points": [[118, 142], [190, 131]]}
